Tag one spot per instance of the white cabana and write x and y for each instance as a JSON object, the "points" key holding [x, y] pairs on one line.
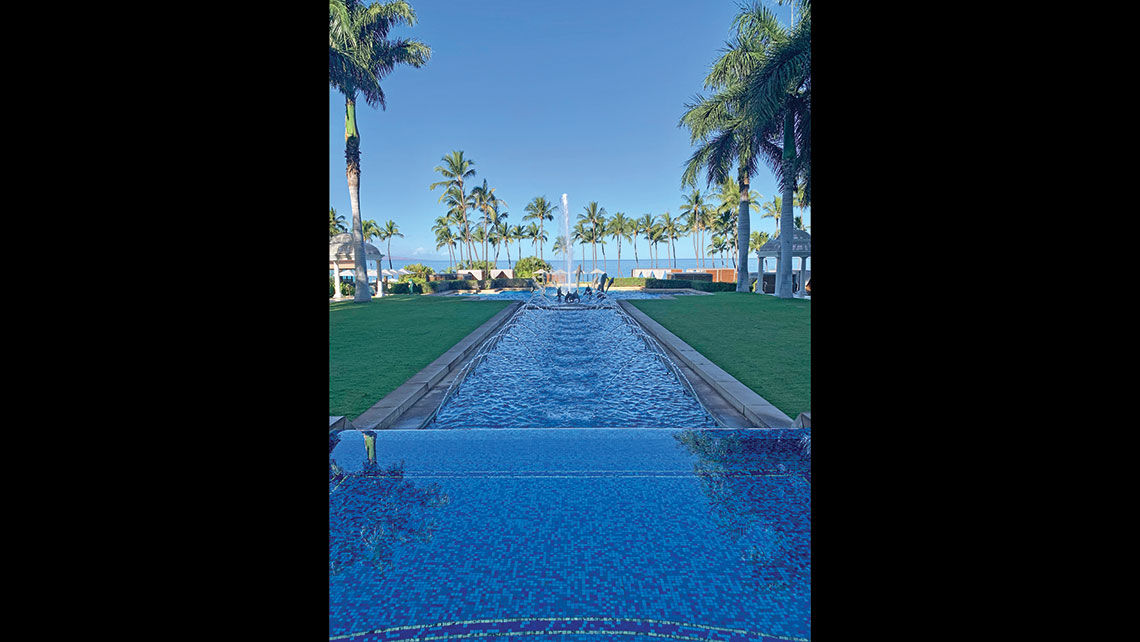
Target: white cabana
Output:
{"points": [[342, 258], [801, 247]]}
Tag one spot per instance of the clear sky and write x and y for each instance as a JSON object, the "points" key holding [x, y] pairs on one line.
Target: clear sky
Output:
{"points": [[547, 98]]}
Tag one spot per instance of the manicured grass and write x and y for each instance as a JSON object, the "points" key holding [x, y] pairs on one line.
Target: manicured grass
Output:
{"points": [[374, 347], [763, 341]]}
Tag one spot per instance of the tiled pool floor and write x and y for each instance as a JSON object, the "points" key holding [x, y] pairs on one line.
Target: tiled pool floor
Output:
{"points": [[570, 534]]}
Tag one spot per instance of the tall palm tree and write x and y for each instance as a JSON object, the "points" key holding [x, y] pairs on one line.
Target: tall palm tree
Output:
{"points": [[532, 233], [371, 230], [670, 226], [336, 223], [502, 234], [642, 226], [618, 230], [542, 210], [386, 233], [455, 170], [518, 234], [560, 245], [693, 210], [484, 199], [773, 209], [728, 125], [757, 241], [595, 217], [656, 237], [582, 234], [777, 98], [798, 201], [444, 236], [360, 56]]}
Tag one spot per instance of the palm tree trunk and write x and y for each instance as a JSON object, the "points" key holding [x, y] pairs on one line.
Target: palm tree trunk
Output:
{"points": [[784, 268], [540, 219], [743, 232], [352, 158], [695, 233]]}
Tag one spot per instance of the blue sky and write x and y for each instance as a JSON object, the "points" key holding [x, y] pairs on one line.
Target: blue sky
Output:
{"points": [[547, 97]]}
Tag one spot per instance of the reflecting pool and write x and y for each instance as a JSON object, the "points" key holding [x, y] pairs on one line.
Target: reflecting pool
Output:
{"points": [[570, 534]]}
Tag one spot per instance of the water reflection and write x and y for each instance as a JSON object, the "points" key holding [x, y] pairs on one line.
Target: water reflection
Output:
{"points": [[759, 495], [374, 511]]}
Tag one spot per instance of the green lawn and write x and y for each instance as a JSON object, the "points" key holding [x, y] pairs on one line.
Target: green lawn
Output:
{"points": [[763, 341], [374, 347]]}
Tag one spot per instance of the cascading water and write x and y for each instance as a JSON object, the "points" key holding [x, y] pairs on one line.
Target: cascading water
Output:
{"points": [[568, 249]]}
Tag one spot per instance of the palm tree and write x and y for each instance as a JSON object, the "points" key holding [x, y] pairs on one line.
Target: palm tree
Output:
{"points": [[386, 234], [455, 170], [517, 234], [776, 96], [539, 208], [360, 56], [694, 211], [618, 230], [594, 216], [757, 241], [641, 226], [656, 236], [444, 237], [670, 228], [502, 234], [560, 245], [717, 246], [798, 201], [484, 199], [371, 230], [773, 209], [732, 125], [336, 223], [582, 234]]}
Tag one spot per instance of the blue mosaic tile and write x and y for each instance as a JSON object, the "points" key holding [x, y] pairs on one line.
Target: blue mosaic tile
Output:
{"points": [[569, 534]]}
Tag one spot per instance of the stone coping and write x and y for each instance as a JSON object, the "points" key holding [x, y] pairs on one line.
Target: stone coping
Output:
{"points": [[337, 424], [385, 412], [744, 399]]}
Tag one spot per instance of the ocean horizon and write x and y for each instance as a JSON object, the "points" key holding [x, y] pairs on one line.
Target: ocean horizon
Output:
{"points": [[610, 266]]}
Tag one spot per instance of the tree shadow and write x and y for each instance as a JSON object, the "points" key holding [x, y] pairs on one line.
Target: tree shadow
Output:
{"points": [[759, 496], [375, 511]]}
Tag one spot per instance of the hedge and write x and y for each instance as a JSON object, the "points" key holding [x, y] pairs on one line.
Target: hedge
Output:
{"points": [[703, 286], [470, 284], [625, 282]]}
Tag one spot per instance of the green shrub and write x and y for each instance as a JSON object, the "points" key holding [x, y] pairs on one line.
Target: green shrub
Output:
{"points": [[703, 286], [713, 286], [420, 270], [332, 289], [475, 265], [508, 283], [412, 278], [627, 282], [526, 266], [347, 288]]}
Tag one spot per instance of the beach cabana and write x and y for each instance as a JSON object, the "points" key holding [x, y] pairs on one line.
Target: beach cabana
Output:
{"points": [[801, 247], [342, 258]]}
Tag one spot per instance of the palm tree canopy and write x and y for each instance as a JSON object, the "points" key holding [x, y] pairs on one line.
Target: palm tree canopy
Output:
{"points": [[360, 51]]}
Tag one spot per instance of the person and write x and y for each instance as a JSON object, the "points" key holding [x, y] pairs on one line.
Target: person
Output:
{"points": [[560, 294], [588, 290]]}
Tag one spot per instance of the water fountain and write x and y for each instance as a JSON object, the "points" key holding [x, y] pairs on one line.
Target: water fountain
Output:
{"points": [[567, 248], [593, 362]]}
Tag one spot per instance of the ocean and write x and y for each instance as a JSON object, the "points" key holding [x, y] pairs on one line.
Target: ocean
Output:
{"points": [[610, 266]]}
